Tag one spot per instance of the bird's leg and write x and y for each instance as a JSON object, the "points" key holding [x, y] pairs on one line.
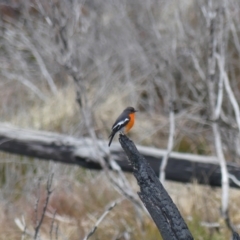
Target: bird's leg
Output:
{"points": [[121, 132]]}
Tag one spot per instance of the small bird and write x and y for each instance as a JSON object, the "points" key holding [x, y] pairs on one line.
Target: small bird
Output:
{"points": [[123, 123]]}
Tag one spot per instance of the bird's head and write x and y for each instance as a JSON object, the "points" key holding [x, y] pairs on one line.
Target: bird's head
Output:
{"points": [[130, 110]]}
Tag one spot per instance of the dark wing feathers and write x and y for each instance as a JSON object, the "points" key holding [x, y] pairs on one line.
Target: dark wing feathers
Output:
{"points": [[117, 126], [120, 123]]}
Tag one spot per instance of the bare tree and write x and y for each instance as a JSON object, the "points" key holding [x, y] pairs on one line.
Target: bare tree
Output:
{"points": [[120, 53]]}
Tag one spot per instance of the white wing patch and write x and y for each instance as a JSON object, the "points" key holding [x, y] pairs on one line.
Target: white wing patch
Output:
{"points": [[121, 123]]}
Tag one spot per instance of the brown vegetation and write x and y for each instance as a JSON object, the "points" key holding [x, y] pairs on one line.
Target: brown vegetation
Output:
{"points": [[149, 54]]}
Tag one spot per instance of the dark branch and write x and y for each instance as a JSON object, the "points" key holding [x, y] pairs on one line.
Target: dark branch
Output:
{"points": [[156, 199], [235, 236], [49, 191], [78, 151]]}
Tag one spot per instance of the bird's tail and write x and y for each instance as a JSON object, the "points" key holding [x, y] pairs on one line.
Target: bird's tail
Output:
{"points": [[111, 136]]}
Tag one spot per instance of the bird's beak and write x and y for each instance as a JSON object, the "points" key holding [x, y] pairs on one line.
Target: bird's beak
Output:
{"points": [[136, 111]]}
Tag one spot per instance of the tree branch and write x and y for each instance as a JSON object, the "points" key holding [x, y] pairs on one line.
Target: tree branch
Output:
{"points": [[182, 167], [155, 198], [169, 147], [108, 209]]}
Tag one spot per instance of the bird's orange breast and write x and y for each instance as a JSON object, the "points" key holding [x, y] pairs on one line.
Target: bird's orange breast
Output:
{"points": [[130, 123]]}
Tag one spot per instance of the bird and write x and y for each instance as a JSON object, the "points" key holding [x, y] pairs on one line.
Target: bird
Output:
{"points": [[124, 123]]}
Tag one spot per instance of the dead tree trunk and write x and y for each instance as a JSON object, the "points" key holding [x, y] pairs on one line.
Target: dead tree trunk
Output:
{"points": [[65, 149], [159, 204], [155, 198]]}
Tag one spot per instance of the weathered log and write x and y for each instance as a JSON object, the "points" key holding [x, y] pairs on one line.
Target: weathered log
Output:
{"points": [[80, 151], [154, 196]]}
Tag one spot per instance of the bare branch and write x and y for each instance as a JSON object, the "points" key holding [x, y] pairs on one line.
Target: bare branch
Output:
{"points": [[224, 172], [234, 179], [198, 67], [79, 151], [49, 191], [22, 226], [26, 83], [40, 7], [216, 109], [37, 202], [106, 212], [170, 145], [40, 62], [52, 224], [232, 26], [229, 90]]}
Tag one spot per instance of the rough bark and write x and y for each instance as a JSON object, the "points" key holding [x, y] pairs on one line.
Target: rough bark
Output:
{"points": [[155, 198], [79, 151]]}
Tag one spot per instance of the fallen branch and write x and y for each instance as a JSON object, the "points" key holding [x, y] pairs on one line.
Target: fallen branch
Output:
{"points": [[80, 151]]}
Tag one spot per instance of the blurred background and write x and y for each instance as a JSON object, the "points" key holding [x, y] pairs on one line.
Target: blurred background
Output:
{"points": [[150, 54]]}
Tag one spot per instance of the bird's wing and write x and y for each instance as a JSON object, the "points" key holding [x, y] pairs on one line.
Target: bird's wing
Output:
{"points": [[120, 124]]}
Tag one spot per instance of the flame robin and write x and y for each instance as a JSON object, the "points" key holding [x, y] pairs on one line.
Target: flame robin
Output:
{"points": [[123, 123]]}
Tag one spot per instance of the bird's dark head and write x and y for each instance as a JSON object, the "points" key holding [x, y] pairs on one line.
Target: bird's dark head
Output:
{"points": [[130, 110]]}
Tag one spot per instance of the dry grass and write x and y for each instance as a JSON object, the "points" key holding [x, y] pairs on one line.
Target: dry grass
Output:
{"points": [[80, 196], [122, 63], [56, 114]]}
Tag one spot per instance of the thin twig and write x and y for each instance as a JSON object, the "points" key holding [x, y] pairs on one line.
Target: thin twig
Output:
{"points": [[224, 172], [49, 192], [37, 202], [40, 62], [56, 232], [23, 227], [232, 25], [229, 90], [234, 179], [218, 107], [170, 145], [52, 224], [26, 83], [108, 209]]}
